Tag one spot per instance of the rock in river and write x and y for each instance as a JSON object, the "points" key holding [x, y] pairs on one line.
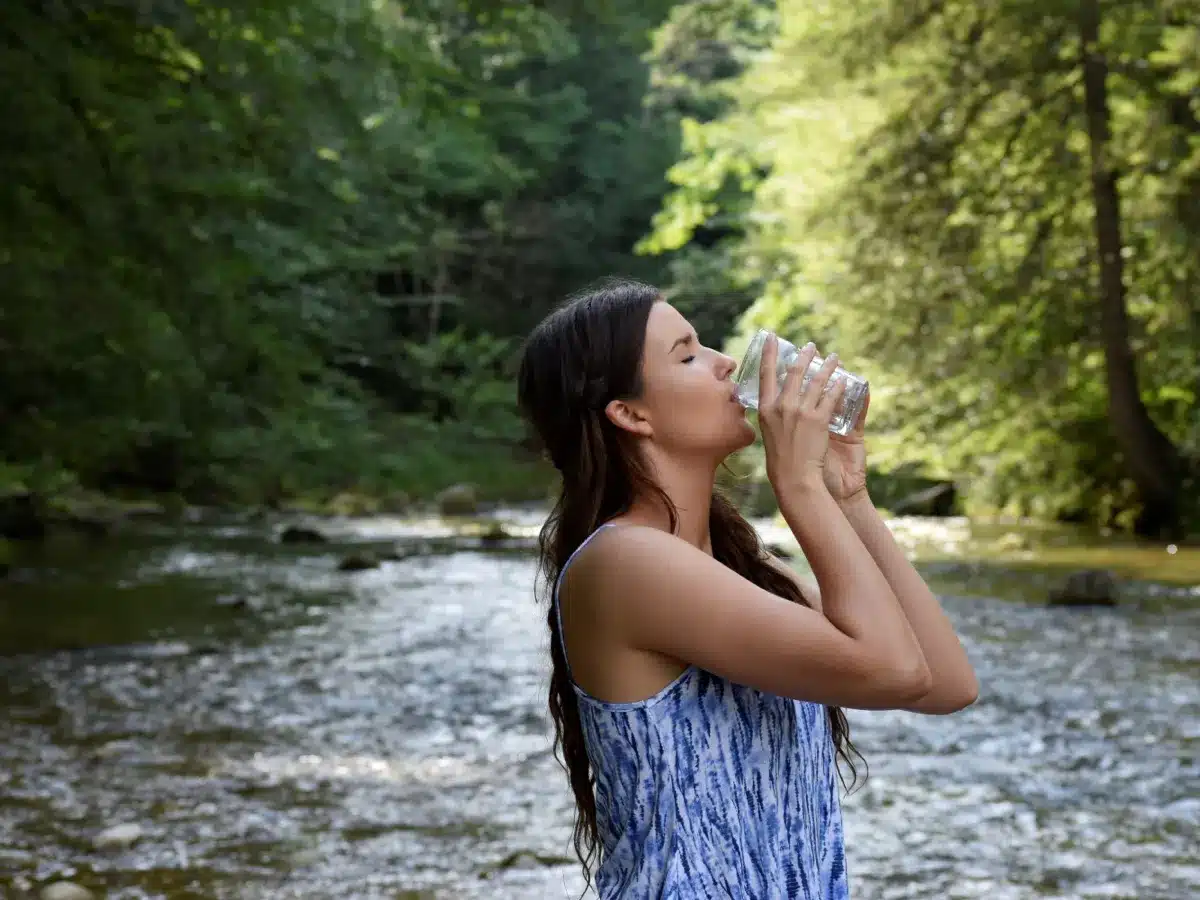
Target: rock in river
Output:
{"points": [[458, 500], [118, 836], [299, 534], [1090, 587], [941, 501], [358, 562], [65, 890]]}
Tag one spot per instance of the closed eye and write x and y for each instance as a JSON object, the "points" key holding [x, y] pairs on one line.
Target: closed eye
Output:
{"points": [[688, 359], [688, 340]]}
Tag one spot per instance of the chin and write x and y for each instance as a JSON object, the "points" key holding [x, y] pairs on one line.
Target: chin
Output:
{"points": [[741, 438], [747, 437]]}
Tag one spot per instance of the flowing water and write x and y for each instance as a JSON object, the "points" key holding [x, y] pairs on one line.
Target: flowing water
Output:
{"points": [[276, 728]]}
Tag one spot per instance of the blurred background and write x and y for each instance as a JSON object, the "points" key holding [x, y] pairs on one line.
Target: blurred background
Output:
{"points": [[267, 510]]}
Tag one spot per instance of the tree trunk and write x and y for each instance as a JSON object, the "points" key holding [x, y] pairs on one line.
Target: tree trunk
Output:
{"points": [[1150, 458]]}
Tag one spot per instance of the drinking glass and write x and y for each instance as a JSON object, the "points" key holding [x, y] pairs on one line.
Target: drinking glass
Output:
{"points": [[849, 408]]}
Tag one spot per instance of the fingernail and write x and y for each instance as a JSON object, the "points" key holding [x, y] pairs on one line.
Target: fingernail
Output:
{"points": [[810, 346]]}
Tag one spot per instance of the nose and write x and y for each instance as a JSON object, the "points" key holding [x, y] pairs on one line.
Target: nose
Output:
{"points": [[725, 365]]}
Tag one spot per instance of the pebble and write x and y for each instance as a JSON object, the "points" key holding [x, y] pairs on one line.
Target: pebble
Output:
{"points": [[65, 890], [125, 835]]}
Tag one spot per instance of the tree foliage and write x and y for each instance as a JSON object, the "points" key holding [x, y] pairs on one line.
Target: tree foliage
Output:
{"points": [[254, 247], [931, 211], [255, 250], [699, 55]]}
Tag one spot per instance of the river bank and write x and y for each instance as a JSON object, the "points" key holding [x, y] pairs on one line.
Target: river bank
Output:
{"points": [[41, 529]]}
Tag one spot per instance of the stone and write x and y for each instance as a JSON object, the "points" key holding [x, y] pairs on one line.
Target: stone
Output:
{"points": [[1088, 587], [65, 890], [358, 562], [458, 500], [300, 534], [495, 533], [118, 836], [940, 501]]}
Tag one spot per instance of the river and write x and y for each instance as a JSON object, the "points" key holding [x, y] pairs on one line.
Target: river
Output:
{"points": [[276, 728]]}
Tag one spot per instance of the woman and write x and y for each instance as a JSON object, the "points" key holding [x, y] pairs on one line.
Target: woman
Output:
{"points": [[697, 685]]}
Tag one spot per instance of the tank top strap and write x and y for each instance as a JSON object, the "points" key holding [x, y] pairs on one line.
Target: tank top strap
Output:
{"points": [[558, 585]]}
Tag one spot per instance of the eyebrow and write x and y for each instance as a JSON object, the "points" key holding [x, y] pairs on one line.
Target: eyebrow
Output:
{"points": [[686, 339]]}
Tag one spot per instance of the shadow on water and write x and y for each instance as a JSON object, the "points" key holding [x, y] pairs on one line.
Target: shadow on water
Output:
{"points": [[273, 727]]}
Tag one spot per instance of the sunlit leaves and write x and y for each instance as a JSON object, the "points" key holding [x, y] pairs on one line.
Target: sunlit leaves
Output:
{"points": [[928, 212]]}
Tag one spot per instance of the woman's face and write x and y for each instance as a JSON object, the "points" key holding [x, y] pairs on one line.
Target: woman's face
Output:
{"points": [[687, 403]]}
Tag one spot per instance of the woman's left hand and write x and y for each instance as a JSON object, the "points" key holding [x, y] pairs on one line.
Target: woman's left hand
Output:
{"points": [[845, 468]]}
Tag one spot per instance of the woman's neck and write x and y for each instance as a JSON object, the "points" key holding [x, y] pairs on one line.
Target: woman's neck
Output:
{"points": [[690, 487]]}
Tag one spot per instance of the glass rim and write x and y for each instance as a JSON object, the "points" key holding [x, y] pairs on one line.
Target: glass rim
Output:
{"points": [[752, 353]]}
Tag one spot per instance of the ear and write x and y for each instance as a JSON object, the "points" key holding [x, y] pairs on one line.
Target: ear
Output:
{"points": [[628, 417]]}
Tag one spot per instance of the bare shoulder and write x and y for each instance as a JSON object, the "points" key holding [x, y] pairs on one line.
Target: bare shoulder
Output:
{"points": [[637, 578], [627, 556]]}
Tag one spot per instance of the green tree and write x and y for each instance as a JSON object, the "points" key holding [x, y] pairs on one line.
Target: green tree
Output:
{"points": [[698, 55], [251, 249], [964, 198]]}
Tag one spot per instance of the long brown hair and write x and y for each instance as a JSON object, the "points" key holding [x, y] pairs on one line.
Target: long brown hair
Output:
{"points": [[580, 357]]}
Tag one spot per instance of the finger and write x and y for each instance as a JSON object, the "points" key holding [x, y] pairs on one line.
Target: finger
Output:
{"points": [[831, 399], [768, 384], [816, 387], [793, 385]]}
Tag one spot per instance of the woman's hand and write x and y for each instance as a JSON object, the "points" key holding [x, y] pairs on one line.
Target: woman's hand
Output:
{"points": [[795, 419], [845, 470]]}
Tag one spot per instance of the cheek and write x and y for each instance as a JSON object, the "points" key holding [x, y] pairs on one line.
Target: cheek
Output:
{"points": [[693, 418], [678, 396], [684, 403]]}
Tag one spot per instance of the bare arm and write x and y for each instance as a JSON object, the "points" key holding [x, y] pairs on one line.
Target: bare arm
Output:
{"points": [[808, 586], [661, 594], [954, 682]]}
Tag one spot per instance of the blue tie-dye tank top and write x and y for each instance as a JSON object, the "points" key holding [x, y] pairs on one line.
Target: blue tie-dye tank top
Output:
{"points": [[711, 789]]}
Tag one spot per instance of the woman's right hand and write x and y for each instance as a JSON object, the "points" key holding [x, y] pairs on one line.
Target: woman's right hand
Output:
{"points": [[795, 418]]}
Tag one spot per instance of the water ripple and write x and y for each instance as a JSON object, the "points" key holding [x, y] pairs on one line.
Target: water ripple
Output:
{"points": [[373, 734]]}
